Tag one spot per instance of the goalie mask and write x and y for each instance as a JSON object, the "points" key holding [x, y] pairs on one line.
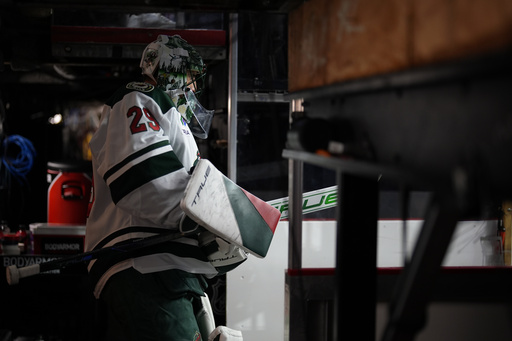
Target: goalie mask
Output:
{"points": [[174, 65], [197, 117]]}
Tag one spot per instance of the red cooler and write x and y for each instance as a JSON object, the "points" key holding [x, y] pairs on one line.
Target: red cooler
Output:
{"points": [[69, 191]]}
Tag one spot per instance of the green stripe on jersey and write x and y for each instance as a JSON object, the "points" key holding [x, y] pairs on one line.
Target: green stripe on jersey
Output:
{"points": [[190, 253], [133, 157], [251, 220], [144, 172]]}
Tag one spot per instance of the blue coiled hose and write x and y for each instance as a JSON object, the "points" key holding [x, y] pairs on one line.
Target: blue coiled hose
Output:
{"points": [[20, 164]]}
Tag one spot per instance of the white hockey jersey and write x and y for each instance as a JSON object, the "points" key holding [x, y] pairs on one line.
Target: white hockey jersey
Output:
{"points": [[142, 154]]}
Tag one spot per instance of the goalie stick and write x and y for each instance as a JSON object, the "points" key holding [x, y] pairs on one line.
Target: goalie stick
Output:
{"points": [[14, 274], [313, 201]]}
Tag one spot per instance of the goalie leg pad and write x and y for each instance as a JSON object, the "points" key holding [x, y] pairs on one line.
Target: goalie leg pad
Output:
{"points": [[223, 333], [204, 317]]}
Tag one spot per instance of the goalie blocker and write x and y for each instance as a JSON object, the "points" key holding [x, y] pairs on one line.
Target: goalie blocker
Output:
{"points": [[228, 211]]}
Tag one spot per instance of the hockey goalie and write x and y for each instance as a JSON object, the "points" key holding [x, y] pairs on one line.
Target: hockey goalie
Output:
{"points": [[149, 179]]}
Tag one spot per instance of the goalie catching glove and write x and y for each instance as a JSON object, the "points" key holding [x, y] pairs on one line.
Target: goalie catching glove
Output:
{"points": [[221, 254]]}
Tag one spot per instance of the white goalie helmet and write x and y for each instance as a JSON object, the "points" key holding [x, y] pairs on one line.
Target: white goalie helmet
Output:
{"points": [[176, 67]]}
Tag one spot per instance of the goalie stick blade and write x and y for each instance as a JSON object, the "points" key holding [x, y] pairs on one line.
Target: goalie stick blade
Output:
{"points": [[225, 209]]}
